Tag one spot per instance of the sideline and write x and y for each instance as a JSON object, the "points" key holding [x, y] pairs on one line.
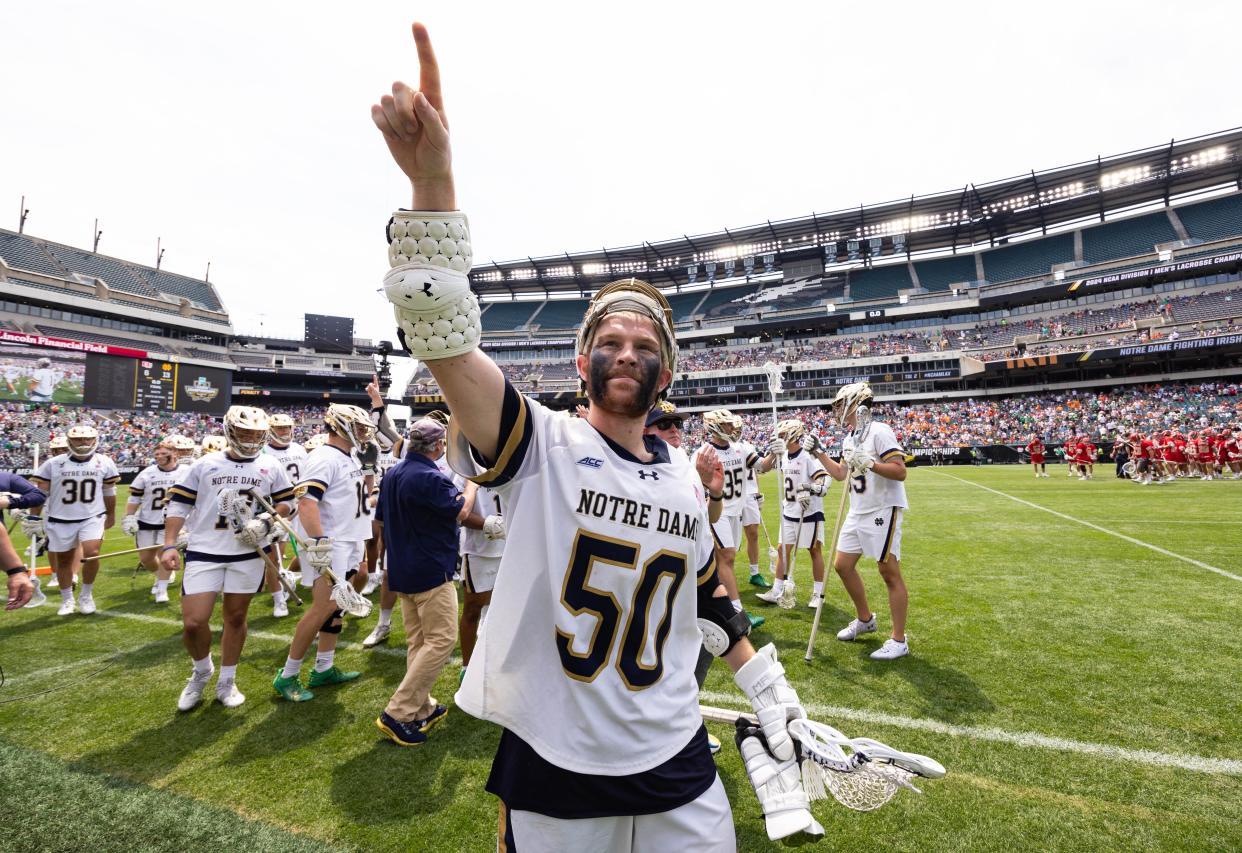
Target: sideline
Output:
{"points": [[1129, 539]]}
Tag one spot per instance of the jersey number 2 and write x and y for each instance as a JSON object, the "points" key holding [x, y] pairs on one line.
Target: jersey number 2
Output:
{"points": [[578, 597]]}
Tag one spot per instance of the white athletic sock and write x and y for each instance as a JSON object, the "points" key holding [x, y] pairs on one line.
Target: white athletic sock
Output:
{"points": [[778, 585], [278, 597], [66, 594], [819, 587], [162, 586], [385, 616], [754, 568], [203, 668], [228, 673], [737, 604], [292, 668], [86, 590], [323, 660]]}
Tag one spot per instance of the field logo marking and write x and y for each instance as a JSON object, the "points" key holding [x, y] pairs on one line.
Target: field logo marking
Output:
{"points": [[1129, 539]]}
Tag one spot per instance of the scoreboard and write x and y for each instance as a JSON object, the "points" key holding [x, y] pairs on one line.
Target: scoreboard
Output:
{"points": [[154, 385]]}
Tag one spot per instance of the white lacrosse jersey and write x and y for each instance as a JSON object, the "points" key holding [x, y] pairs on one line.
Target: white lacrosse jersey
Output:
{"points": [[750, 486], [151, 491], [47, 379], [869, 492], [76, 487], [334, 478], [486, 502], [796, 469], [589, 646], [736, 463], [292, 457], [196, 497]]}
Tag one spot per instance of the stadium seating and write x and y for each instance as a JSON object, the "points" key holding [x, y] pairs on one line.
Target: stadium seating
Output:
{"points": [[504, 316], [880, 282], [1207, 306], [561, 314], [115, 274], [1213, 220], [683, 303], [198, 292], [251, 360], [727, 301], [110, 340], [939, 275], [23, 253], [1126, 238], [1031, 258], [195, 352]]}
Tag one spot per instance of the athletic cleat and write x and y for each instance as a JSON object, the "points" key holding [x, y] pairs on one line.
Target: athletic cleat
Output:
{"points": [[291, 688], [66, 607], [228, 695], [856, 628], [280, 608], [53, 582], [755, 621], [437, 714], [814, 601], [713, 743], [193, 692], [331, 675], [760, 581], [891, 650], [373, 583], [155, 587], [86, 604], [770, 597], [789, 599], [161, 596], [377, 636], [461, 676], [402, 734], [37, 598]]}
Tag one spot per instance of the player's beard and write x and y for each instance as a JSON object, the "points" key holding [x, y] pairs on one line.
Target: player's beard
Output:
{"points": [[636, 405]]}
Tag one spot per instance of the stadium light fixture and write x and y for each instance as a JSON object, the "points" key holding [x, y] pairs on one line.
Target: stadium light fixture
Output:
{"points": [[1124, 177], [593, 269]]}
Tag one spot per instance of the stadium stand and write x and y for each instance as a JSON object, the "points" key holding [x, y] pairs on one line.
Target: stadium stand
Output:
{"points": [[1207, 306], [504, 316], [1025, 260], [251, 360], [21, 252], [941, 274], [115, 274], [683, 304], [198, 292], [1126, 238], [726, 301], [879, 282], [1213, 220], [560, 314], [96, 337]]}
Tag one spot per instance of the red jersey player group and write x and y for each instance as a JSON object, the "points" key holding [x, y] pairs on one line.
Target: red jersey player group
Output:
{"points": [[1079, 452], [1208, 454]]}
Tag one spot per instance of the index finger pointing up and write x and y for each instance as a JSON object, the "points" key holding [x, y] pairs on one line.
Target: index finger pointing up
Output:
{"points": [[428, 69]]}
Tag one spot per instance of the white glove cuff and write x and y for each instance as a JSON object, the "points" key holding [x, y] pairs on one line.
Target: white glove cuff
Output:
{"points": [[758, 674], [437, 314], [440, 238]]}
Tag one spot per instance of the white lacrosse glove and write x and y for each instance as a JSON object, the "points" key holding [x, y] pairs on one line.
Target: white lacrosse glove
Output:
{"points": [[6, 499], [129, 525], [759, 498], [811, 443], [859, 460], [32, 527], [318, 554], [778, 785], [183, 538], [803, 493], [776, 447], [762, 679], [254, 532], [494, 527]]}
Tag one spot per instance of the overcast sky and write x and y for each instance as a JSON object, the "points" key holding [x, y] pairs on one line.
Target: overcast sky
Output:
{"points": [[240, 134]]}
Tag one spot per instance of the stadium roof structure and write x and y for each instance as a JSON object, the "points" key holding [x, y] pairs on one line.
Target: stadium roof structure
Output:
{"points": [[975, 215]]}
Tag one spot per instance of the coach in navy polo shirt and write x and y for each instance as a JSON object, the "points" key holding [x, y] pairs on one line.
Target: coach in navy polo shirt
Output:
{"points": [[419, 509]]}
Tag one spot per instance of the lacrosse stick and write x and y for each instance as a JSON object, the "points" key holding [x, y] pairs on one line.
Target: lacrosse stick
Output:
{"points": [[832, 555], [18, 514], [859, 773], [346, 597], [280, 575]]}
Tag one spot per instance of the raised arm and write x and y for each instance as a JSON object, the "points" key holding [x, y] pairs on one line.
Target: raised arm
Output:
{"points": [[437, 314]]}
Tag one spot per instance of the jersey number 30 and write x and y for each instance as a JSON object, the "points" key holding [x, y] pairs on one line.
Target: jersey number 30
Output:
{"points": [[578, 597]]}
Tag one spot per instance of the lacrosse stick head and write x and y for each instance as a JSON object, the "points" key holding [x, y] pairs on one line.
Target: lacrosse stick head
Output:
{"points": [[348, 599], [860, 774]]}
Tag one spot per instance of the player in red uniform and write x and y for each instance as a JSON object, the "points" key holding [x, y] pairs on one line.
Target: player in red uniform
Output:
{"points": [[1035, 447], [1232, 458], [1207, 454], [1146, 452], [1082, 457]]}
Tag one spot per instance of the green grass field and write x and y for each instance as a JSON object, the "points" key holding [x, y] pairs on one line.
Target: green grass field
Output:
{"points": [[1083, 690]]}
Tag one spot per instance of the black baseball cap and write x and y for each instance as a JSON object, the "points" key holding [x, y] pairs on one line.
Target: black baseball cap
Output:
{"points": [[664, 411]]}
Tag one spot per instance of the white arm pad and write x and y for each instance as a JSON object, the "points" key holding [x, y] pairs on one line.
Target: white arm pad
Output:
{"points": [[437, 314], [762, 679], [437, 237]]}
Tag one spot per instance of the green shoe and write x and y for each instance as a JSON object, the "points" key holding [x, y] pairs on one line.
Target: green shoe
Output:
{"points": [[291, 688], [461, 676], [331, 675], [755, 621], [758, 580]]}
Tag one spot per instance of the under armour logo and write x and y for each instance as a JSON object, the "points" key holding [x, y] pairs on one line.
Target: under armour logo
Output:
{"points": [[426, 288], [642, 475]]}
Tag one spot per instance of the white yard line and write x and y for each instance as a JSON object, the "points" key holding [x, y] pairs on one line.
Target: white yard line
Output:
{"points": [[1029, 740], [1129, 539]]}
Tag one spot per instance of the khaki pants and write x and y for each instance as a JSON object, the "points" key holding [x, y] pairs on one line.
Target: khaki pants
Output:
{"points": [[431, 633]]}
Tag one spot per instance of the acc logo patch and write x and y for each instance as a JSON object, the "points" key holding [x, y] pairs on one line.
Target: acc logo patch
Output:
{"points": [[591, 462]]}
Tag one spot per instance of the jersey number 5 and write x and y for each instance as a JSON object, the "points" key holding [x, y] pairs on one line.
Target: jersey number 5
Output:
{"points": [[578, 597]]}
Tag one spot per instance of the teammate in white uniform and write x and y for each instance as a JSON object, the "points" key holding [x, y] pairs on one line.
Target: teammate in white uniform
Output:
{"points": [[222, 556], [81, 505], [803, 483], [43, 381], [876, 467], [481, 551], [335, 512], [391, 447], [752, 510], [720, 425], [144, 513], [281, 447]]}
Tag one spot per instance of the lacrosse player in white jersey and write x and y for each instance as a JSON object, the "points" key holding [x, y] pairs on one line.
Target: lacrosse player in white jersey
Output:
{"points": [[875, 466], [81, 505], [335, 511], [281, 447], [720, 425], [752, 508], [222, 554], [391, 446], [803, 484], [43, 381], [481, 551], [144, 513]]}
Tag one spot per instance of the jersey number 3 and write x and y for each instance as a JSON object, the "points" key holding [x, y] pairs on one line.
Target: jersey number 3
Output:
{"points": [[578, 597]]}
